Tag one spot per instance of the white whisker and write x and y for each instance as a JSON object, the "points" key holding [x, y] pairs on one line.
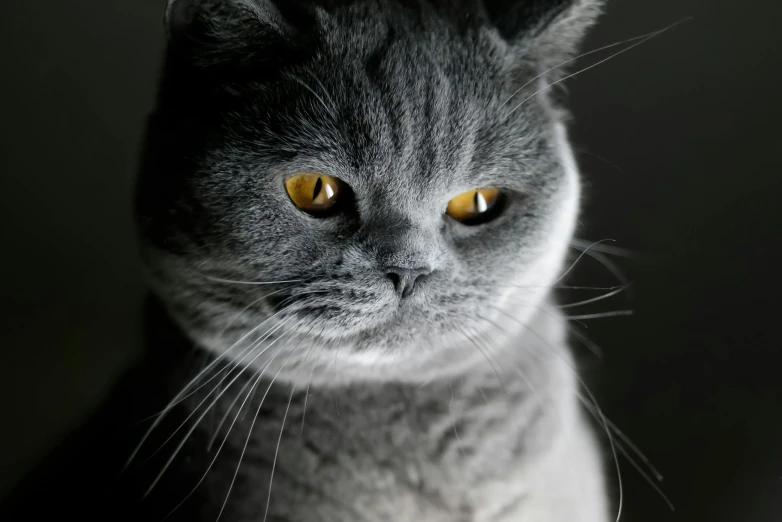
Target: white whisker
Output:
{"points": [[239, 314], [453, 421], [614, 55], [605, 47], [183, 394], [325, 92], [597, 408], [626, 440], [556, 287], [615, 313], [591, 345], [234, 282], [520, 373], [216, 387], [255, 380], [249, 394], [306, 397], [594, 299], [276, 453], [611, 443], [201, 417], [609, 265], [649, 480], [329, 110], [579, 259], [491, 364], [582, 244], [249, 435]]}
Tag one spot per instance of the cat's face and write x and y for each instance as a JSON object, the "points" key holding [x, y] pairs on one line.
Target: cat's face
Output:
{"points": [[393, 112]]}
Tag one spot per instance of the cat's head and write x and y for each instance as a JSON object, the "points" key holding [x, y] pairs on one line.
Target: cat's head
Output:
{"points": [[365, 184]]}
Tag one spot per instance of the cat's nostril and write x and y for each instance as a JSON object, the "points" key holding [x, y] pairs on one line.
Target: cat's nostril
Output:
{"points": [[395, 279], [405, 279]]}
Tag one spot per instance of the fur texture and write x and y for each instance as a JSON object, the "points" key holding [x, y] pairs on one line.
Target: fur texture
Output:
{"points": [[455, 403]]}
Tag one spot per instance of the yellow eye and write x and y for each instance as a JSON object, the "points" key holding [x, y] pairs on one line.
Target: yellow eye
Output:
{"points": [[312, 192], [475, 206]]}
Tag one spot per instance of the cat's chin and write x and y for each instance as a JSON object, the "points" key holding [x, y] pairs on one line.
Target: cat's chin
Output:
{"points": [[412, 356]]}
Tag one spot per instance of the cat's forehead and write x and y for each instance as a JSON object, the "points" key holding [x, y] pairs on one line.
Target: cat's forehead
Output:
{"points": [[384, 129], [419, 103]]}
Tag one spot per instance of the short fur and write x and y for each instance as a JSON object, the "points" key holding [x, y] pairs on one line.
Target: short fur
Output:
{"points": [[457, 403]]}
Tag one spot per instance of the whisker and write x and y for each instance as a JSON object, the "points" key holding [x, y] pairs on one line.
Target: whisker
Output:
{"points": [[594, 401], [306, 397], [615, 313], [593, 51], [591, 345], [249, 435], [611, 164], [625, 439], [255, 380], [594, 299], [557, 287], [583, 253], [520, 373], [200, 418], [235, 282], [515, 367], [239, 314], [453, 420], [582, 244], [493, 367], [609, 265], [596, 288], [276, 453], [611, 443], [649, 480], [544, 309], [307, 393], [183, 394], [325, 91], [609, 427], [229, 367], [239, 393], [179, 398], [323, 103], [215, 388], [304, 336], [614, 55]]}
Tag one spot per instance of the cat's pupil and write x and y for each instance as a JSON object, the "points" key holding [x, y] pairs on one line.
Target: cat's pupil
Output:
{"points": [[318, 188]]}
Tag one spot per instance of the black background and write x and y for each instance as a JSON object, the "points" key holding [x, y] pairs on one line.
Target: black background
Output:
{"points": [[678, 141]]}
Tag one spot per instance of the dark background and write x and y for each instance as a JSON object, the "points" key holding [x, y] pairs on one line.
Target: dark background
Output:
{"points": [[678, 143]]}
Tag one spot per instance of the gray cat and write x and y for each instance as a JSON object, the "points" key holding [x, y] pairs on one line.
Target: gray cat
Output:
{"points": [[358, 208]]}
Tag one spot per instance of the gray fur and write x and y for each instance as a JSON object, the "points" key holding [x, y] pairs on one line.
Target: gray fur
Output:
{"points": [[456, 403]]}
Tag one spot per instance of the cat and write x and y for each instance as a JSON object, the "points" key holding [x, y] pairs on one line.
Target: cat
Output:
{"points": [[355, 212]]}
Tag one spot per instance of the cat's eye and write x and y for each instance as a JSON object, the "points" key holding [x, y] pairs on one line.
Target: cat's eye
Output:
{"points": [[475, 207], [314, 193]]}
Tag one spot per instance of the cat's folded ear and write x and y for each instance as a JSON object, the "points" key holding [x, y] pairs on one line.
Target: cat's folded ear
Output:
{"points": [[187, 16], [547, 32], [231, 31]]}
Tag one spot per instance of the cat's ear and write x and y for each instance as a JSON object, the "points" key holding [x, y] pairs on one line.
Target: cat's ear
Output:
{"points": [[188, 16], [547, 32], [225, 31]]}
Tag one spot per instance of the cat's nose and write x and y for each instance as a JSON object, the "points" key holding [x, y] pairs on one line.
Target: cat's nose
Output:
{"points": [[405, 279]]}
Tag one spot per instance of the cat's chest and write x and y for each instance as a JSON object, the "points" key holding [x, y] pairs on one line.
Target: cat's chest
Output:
{"points": [[400, 457]]}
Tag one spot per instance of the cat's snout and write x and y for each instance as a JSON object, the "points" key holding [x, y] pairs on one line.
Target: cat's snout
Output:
{"points": [[405, 279]]}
